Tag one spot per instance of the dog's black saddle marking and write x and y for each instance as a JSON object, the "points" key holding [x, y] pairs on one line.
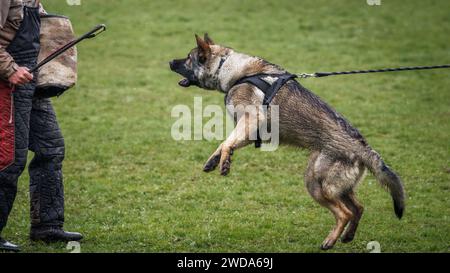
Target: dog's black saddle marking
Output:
{"points": [[269, 90]]}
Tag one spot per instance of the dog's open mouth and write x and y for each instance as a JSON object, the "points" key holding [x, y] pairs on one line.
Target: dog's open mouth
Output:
{"points": [[185, 82]]}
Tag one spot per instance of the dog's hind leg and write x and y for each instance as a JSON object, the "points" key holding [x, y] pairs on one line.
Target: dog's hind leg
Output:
{"points": [[320, 173], [352, 203], [342, 215]]}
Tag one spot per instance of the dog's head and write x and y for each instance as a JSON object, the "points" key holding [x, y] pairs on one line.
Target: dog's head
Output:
{"points": [[201, 66]]}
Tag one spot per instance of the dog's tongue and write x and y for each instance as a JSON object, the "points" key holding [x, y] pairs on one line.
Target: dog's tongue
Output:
{"points": [[184, 83]]}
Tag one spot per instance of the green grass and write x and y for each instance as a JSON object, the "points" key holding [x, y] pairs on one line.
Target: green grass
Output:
{"points": [[131, 188]]}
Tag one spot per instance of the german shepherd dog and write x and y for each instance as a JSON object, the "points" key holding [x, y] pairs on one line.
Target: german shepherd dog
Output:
{"points": [[339, 153]]}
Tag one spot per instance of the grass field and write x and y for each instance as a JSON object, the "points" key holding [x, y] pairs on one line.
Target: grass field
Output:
{"points": [[131, 188]]}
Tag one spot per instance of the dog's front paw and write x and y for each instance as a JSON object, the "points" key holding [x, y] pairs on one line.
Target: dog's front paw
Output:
{"points": [[212, 163], [225, 167]]}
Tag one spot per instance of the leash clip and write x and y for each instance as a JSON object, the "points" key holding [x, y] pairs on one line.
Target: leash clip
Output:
{"points": [[306, 75]]}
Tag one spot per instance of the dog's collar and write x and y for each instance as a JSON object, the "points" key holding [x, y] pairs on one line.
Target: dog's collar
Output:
{"points": [[222, 61]]}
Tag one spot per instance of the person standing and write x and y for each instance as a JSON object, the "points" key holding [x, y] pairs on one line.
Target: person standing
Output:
{"points": [[28, 123]]}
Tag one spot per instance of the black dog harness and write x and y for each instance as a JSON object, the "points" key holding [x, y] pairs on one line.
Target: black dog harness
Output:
{"points": [[269, 90]]}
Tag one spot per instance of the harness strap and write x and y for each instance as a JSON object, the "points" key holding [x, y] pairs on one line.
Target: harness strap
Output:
{"points": [[269, 90], [256, 80], [282, 80]]}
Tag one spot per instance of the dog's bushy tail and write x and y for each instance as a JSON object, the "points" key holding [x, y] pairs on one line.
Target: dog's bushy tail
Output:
{"points": [[386, 177]]}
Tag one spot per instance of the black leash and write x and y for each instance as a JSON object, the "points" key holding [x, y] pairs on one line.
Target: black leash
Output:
{"points": [[325, 74]]}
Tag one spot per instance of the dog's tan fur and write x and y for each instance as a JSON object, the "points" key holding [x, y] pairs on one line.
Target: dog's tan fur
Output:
{"points": [[339, 153]]}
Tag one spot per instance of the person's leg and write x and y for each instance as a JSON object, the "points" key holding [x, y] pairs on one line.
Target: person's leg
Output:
{"points": [[9, 176], [46, 179]]}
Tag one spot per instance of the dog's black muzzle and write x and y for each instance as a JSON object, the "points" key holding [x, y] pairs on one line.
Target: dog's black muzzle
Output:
{"points": [[176, 64], [179, 67]]}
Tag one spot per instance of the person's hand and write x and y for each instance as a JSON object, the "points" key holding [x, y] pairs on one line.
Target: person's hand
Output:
{"points": [[21, 76]]}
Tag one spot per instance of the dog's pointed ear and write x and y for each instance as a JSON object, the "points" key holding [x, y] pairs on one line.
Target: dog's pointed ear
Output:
{"points": [[208, 39], [202, 45]]}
